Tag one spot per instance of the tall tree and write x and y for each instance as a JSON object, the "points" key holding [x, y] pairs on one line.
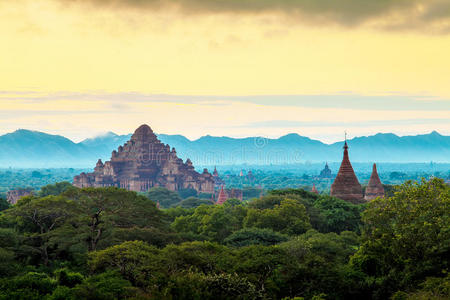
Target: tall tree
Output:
{"points": [[406, 238], [107, 216], [38, 219], [289, 217]]}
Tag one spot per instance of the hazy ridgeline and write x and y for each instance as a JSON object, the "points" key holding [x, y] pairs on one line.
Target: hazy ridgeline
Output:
{"points": [[30, 149]]}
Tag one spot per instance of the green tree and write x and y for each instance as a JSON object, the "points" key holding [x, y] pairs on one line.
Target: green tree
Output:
{"points": [[82, 220], [32, 285], [318, 264], [433, 288], [213, 223], [3, 204], [192, 285], [105, 286], [107, 216], [193, 202], [55, 189], [204, 257], [136, 261], [165, 197], [327, 214], [406, 237], [266, 202], [178, 211], [8, 246], [255, 236], [251, 192], [186, 193], [151, 269], [289, 218], [65, 277], [338, 215], [38, 219], [263, 266]]}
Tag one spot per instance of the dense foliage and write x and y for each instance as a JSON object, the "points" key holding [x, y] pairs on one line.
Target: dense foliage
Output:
{"points": [[108, 243]]}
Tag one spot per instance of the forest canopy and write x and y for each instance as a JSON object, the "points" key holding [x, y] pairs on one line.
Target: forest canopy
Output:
{"points": [[109, 243]]}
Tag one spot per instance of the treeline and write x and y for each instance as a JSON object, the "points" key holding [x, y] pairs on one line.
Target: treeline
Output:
{"points": [[108, 243]]}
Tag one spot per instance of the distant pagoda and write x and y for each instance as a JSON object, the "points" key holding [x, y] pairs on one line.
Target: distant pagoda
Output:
{"points": [[346, 186], [326, 172], [217, 180], [375, 188], [222, 195]]}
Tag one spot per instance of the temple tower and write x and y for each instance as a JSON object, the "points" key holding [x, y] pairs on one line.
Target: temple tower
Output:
{"points": [[314, 190], [375, 188], [222, 198], [346, 185]]}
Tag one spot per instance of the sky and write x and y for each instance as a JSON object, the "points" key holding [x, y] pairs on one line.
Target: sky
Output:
{"points": [[225, 67]]}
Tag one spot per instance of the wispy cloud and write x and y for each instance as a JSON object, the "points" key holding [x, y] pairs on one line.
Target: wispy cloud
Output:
{"points": [[325, 123], [81, 115], [389, 101]]}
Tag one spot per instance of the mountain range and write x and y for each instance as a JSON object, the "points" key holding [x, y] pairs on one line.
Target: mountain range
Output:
{"points": [[25, 148]]}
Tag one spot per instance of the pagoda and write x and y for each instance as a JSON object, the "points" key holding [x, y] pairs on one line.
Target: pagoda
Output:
{"points": [[314, 190], [326, 172], [346, 186], [375, 188], [217, 180], [222, 198], [215, 173]]}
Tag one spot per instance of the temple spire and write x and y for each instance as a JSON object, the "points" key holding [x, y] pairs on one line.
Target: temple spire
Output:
{"points": [[314, 190], [346, 185], [143, 134], [375, 188], [222, 198], [345, 143]]}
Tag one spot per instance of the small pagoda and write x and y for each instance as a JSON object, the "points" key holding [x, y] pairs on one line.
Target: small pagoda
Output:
{"points": [[375, 188], [314, 189], [222, 198], [346, 185]]}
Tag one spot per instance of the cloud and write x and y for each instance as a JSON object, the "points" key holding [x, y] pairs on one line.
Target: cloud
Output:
{"points": [[117, 101], [80, 115], [389, 14], [328, 124]]}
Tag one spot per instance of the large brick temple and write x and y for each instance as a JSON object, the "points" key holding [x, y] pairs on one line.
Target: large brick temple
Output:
{"points": [[144, 162]]}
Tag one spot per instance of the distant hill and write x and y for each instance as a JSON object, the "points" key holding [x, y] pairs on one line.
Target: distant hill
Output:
{"points": [[388, 147], [25, 148]]}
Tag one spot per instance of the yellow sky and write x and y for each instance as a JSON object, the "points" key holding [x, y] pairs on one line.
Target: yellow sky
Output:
{"points": [[47, 47], [82, 48]]}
